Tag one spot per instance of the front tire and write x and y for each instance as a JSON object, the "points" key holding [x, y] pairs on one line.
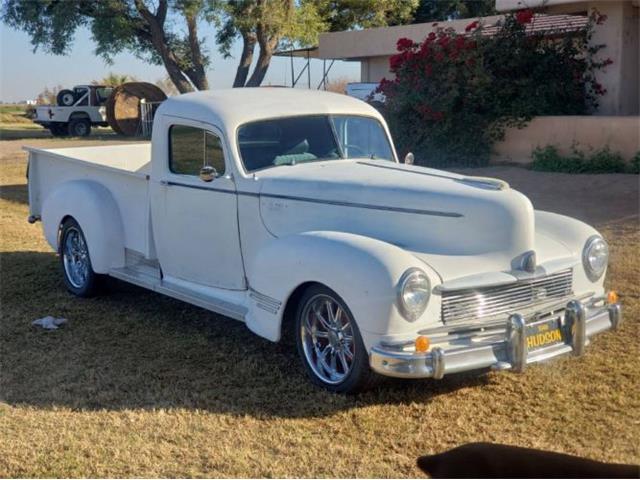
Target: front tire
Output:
{"points": [[79, 277], [329, 343]]}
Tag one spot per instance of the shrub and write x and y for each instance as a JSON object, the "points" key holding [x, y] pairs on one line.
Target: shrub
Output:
{"points": [[635, 163], [597, 161], [454, 94]]}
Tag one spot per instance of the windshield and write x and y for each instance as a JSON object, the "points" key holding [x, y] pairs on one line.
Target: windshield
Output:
{"points": [[292, 140]]}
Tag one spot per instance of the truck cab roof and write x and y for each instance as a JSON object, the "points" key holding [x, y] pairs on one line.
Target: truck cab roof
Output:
{"points": [[229, 108]]}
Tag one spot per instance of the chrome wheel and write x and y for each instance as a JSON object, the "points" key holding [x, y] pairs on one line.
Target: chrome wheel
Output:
{"points": [[327, 336], [75, 257]]}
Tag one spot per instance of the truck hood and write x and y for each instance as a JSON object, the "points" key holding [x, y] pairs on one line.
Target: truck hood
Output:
{"points": [[429, 212]]}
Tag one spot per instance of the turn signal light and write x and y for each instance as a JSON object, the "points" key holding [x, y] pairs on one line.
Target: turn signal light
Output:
{"points": [[422, 344], [612, 297]]}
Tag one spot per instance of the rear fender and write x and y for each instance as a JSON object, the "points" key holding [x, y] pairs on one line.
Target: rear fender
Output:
{"points": [[93, 207]]}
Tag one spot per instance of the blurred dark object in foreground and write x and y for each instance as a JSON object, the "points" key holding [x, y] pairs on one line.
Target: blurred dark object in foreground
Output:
{"points": [[487, 460]]}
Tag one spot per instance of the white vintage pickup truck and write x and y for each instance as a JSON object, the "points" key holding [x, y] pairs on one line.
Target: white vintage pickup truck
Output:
{"points": [[288, 210]]}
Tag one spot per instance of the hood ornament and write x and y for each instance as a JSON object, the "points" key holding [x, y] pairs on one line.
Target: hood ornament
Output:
{"points": [[529, 262]]}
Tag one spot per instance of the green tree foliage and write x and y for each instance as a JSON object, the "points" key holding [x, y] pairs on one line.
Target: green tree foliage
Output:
{"points": [[114, 79], [273, 24], [438, 10], [341, 15], [454, 94], [138, 26]]}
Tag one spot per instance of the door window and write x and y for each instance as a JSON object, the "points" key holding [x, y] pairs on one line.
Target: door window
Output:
{"points": [[192, 148]]}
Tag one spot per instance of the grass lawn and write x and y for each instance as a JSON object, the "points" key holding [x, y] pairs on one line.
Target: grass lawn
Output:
{"points": [[140, 385]]}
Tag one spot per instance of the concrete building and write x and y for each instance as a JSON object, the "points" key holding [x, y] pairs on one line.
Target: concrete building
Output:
{"points": [[618, 124], [373, 47]]}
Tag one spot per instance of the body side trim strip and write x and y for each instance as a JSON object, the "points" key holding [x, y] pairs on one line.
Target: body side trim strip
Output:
{"points": [[325, 202]]}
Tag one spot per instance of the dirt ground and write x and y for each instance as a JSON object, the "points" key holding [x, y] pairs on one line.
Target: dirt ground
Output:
{"points": [[142, 385]]}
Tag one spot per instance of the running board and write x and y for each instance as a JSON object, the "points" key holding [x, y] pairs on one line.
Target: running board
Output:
{"points": [[151, 282]]}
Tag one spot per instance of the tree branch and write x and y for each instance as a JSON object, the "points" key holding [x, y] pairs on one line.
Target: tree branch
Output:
{"points": [[197, 73], [159, 41]]}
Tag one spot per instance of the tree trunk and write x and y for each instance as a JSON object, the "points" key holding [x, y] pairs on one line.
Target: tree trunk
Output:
{"points": [[267, 47], [196, 74], [156, 28], [248, 47]]}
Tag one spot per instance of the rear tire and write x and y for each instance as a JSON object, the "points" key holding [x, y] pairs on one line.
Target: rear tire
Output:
{"points": [[59, 129], [329, 343], [79, 277], [79, 127], [65, 98]]}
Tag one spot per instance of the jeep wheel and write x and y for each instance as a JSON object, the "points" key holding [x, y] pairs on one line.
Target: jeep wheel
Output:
{"points": [[329, 343], [59, 129], [79, 127]]}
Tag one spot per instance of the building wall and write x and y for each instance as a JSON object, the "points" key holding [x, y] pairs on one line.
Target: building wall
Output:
{"points": [[619, 34], [378, 42], [374, 69], [629, 100], [620, 133]]}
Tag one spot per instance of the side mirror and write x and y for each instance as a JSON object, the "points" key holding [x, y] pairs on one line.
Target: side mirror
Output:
{"points": [[409, 158], [208, 173]]}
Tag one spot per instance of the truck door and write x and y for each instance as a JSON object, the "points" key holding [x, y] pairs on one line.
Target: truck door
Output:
{"points": [[194, 207]]}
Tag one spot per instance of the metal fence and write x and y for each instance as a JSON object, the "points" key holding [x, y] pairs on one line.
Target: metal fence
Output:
{"points": [[147, 111]]}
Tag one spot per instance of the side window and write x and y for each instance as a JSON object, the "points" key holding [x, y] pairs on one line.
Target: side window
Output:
{"points": [[192, 148]]}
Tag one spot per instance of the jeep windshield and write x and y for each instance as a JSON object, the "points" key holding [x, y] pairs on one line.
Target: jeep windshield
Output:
{"points": [[292, 140]]}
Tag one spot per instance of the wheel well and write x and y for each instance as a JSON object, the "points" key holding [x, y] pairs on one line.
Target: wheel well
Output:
{"points": [[289, 314], [79, 115], [62, 222]]}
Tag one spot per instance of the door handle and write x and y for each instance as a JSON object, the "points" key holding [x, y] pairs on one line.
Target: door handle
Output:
{"points": [[164, 182]]}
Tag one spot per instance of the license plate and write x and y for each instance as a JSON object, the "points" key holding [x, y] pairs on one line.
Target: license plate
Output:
{"points": [[544, 333]]}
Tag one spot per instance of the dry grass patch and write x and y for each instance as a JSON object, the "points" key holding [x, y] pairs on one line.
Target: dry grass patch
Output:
{"points": [[142, 385]]}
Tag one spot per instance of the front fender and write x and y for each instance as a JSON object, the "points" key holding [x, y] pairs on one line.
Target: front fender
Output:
{"points": [[93, 207], [363, 271], [574, 235]]}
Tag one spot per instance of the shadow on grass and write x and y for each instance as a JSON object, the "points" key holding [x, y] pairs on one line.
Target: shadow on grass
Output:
{"points": [[133, 349], [15, 193], [18, 133]]}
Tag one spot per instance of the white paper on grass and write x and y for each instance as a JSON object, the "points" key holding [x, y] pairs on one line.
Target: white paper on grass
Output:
{"points": [[49, 322]]}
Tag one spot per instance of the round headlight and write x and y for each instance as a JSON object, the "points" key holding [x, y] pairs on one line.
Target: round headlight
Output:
{"points": [[414, 290], [595, 257]]}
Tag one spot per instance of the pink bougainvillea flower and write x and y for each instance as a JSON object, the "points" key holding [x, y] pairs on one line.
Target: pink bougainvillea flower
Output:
{"points": [[472, 26], [404, 44], [460, 42], [524, 16], [395, 62], [428, 70], [443, 41]]}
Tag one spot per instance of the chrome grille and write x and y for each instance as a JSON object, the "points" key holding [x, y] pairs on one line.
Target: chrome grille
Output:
{"points": [[473, 304]]}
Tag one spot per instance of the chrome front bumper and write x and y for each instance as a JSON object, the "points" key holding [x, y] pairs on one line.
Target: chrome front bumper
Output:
{"points": [[497, 345]]}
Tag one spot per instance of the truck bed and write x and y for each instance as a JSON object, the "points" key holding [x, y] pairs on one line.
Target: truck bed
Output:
{"points": [[122, 169], [134, 158]]}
